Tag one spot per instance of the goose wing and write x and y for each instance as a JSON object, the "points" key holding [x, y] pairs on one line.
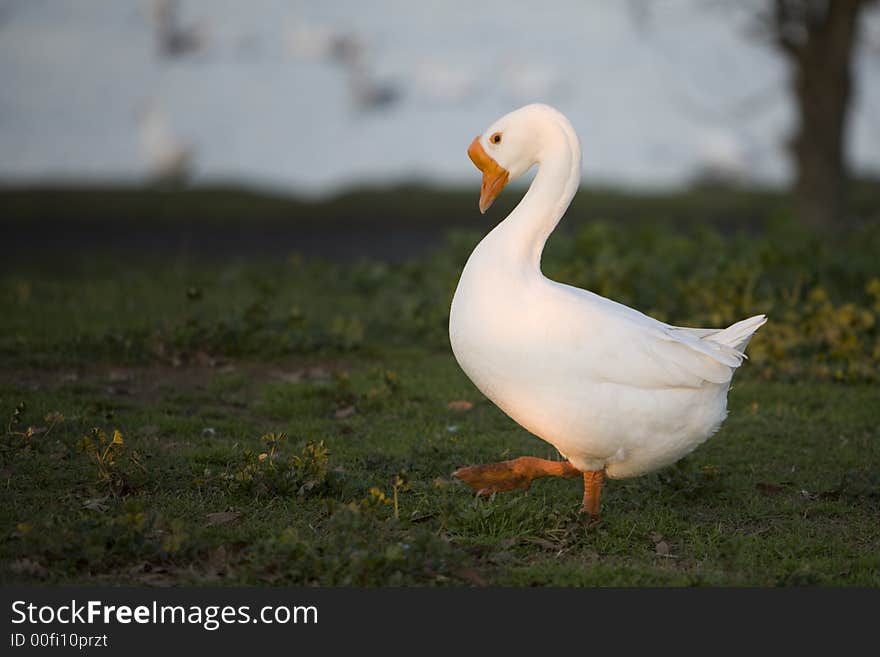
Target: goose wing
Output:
{"points": [[621, 345]]}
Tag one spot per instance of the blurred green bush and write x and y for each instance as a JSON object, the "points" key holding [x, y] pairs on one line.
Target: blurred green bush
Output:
{"points": [[821, 293]]}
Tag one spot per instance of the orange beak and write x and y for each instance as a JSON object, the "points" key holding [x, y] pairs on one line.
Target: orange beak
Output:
{"points": [[495, 176]]}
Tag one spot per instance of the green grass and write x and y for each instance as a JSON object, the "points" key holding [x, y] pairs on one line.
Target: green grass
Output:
{"points": [[786, 493], [196, 364]]}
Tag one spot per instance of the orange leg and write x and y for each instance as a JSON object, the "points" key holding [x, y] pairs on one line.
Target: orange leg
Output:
{"points": [[519, 473], [510, 475], [593, 480]]}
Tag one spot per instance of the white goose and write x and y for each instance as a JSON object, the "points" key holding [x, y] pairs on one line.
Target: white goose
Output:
{"points": [[615, 391]]}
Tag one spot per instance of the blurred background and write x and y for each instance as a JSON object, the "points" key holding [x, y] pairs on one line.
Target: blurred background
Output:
{"points": [[313, 98], [197, 132]]}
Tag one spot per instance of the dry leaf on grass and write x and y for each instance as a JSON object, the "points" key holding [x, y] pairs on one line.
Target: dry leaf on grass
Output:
{"points": [[460, 405], [470, 575], [222, 517], [289, 377], [28, 567], [304, 374], [119, 376], [544, 543], [345, 412], [317, 373], [95, 504], [158, 580], [218, 558]]}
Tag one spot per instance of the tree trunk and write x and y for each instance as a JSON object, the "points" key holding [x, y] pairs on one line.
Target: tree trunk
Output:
{"points": [[822, 60]]}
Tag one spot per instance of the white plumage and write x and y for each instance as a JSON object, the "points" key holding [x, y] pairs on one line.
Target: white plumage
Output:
{"points": [[611, 388], [170, 158]]}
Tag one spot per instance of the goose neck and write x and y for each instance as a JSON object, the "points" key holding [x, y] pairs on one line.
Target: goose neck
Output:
{"points": [[526, 229]]}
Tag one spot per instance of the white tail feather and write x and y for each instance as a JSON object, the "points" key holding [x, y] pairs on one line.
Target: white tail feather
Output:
{"points": [[737, 336]]}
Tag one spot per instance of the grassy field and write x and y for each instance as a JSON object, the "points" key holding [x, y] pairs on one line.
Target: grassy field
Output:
{"points": [[296, 422]]}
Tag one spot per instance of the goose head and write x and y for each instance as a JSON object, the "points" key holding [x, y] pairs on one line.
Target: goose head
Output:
{"points": [[511, 146]]}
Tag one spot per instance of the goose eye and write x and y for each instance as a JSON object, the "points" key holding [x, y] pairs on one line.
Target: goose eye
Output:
{"points": [[496, 138]]}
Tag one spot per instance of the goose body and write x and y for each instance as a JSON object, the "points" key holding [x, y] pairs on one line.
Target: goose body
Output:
{"points": [[614, 390]]}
